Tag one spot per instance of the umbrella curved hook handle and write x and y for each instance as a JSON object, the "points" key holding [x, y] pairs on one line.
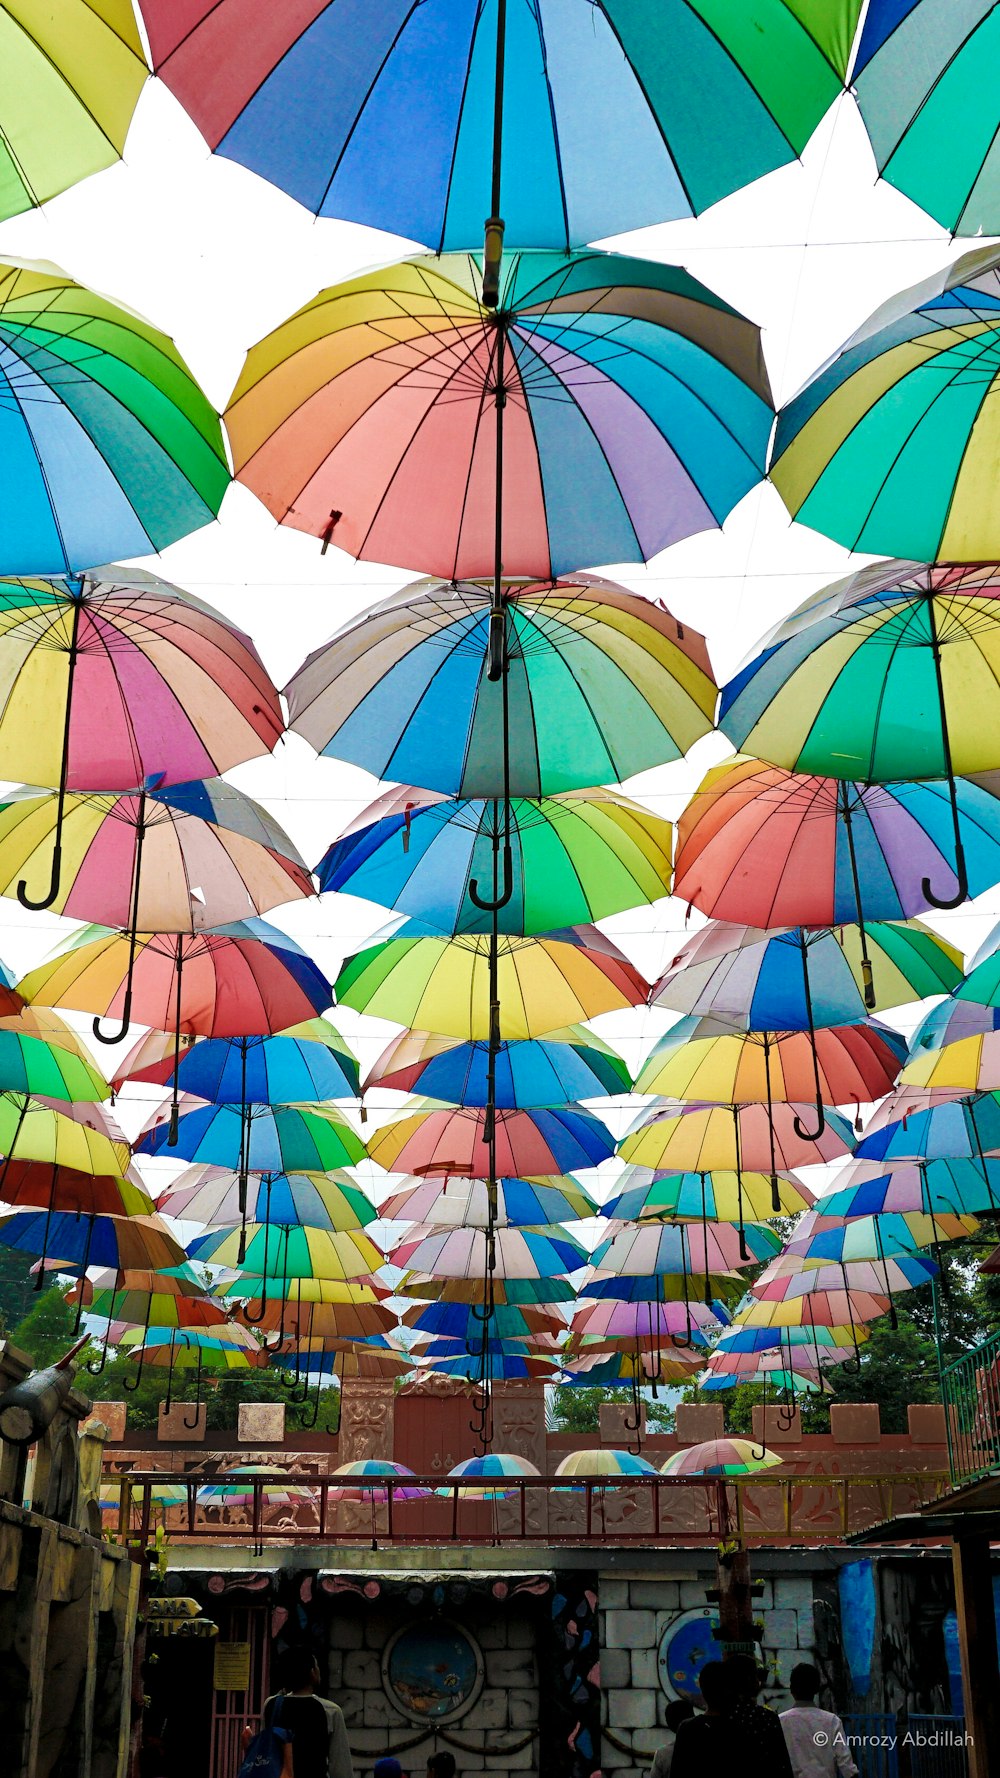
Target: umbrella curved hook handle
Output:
{"points": [[120, 1035], [492, 905], [96, 1369], [805, 1135], [926, 887], [132, 1387], [28, 901], [786, 1415], [308, 1419]]}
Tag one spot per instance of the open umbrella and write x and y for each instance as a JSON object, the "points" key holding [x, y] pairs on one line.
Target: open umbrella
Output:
{"points": [[607, 372], [842, 1064], [719, 1196], [181, 859], [466, 1203], [806, 977], [274, 1070], [699, 1139], [819, 1240], [604, 1463], [720, 1456], [571, 1064], [490, 1472], [472, 1290], [683, 1248], [110, 448], [248, 977], [444, 985], [149, 679], [366, 1478], [528, 1143], [73, 73], [890, 448], [429, 100], [459, 1321], [775, 848], [969, 1065], [955, 1187], [573, 858], [925, 78], [525, 1253], [887, 675], [405, 689], [119, 1241], [291, 1253], [210, 1195], [47, 1070], [258, 1138]]}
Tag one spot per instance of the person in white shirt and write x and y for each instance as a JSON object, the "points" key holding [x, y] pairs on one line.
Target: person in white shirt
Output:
{"points": [[676, 1712], [816, 1740]]}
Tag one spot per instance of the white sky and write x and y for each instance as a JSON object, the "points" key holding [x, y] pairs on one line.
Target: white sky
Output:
{"points": [[217, 257]]}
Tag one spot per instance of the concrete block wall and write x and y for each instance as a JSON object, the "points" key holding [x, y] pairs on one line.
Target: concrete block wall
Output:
{"points": [[636, 1610], [486, 1739]]}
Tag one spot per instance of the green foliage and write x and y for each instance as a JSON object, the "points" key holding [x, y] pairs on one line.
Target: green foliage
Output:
{"points": [[45, 1332], [17, 1289]]}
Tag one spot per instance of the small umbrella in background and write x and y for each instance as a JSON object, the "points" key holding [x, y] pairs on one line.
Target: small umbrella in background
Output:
{"points": [[490, 1472], [443, 985], [523, 1253], [366, 1479], [806, 977], [720, 1456], [777, 848], [569, 1065], [404, 689], [573, 858]]}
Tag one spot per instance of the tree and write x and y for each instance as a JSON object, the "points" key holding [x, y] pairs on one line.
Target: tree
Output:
{"points": [[46, 1332], [17, 1288]]}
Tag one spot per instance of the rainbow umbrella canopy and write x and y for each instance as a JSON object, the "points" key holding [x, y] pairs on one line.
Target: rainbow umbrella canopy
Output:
{"points": [[576, 857], [925, 78], [759, 844], [261, 1138], [211, 1195], [892, 447], [275, 1070], [636, 412], [807, 977], [443, 985], [109, 447], [526, 1143], [151, 680], [458, 1202], [571, 1064], [407, 145], [600, 684], [73, 73], [720, 1456]]}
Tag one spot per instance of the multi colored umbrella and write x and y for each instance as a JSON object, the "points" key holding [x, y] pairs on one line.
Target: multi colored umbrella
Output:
{"points": [[700, 1139], [407, 147], [290, 1253], [472, 1290], [607, 372], [47, 1070], [211, 1195], [684, 1249], [528, 1143], [460, 1321], [807, 977], [523, 1253], [40, 1186], [604, 1463], [468, 1203], [952, 1130], [969, 1065], [924, 78], [31, 1130], [572, 1064], [600, 684], [119, 1241], [842, 1064], [110, 448], [720, 1456], [490, 1471], [954, 1187], [719, 1196], [819, 1240], [573, 858], [242, 1493], [774, 848], [258, 1138], [182, 859], [246, 977], [273, 1070], [443, 985], [645, 1322], [73, 75], [488, 1367], [890, 448], [366, 1478]]}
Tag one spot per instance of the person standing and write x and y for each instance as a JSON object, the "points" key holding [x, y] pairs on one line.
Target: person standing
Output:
{"points": [[816, 1742], [315, 1726], [678, 1711]]}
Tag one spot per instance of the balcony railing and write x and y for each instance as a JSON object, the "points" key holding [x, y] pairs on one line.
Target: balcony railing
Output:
{"points": [[971, 1390], [286, 1507]]}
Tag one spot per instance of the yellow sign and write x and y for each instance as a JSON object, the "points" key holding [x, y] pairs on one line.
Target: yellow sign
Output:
{"points": [[231, 1672], [172, 1608]]}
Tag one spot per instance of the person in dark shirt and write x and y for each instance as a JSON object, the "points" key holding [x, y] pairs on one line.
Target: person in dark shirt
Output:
{"points": [[314, 1725], [735, 1734]]}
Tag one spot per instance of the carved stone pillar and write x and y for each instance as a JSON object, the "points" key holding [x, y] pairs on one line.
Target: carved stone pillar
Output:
{"points": [[366, 1431], [519, 1427]]}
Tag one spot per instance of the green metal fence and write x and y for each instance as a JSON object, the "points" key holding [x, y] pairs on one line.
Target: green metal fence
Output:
{"points": [[971, 1393]]}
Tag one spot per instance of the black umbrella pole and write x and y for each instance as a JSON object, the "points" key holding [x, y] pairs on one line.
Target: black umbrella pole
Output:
{"points": [[867, 974], [122, 1032], [175, 1095], [493, 244], [803, 1134], [775, 1194], [961, 868]]}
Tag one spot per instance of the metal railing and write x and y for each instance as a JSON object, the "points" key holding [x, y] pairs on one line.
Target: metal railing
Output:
{"points": [[971, 1394], [873, 1744], [286, 1506], [936, 1746]]}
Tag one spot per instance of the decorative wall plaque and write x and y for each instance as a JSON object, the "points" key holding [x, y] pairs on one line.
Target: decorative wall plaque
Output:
{"points": [[432, 1671]]}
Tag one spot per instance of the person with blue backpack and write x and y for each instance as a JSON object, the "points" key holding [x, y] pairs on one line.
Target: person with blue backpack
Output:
{"points": [[302, 1735]]}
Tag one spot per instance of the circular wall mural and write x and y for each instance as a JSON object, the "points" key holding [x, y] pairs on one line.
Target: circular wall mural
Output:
{"points": [[686, 1644], [432, 1671]]}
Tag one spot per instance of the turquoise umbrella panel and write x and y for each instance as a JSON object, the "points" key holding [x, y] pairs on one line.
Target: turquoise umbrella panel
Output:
{"points": [[574, 859], [263, 1138], [535, 1072], [265, 1070]]}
